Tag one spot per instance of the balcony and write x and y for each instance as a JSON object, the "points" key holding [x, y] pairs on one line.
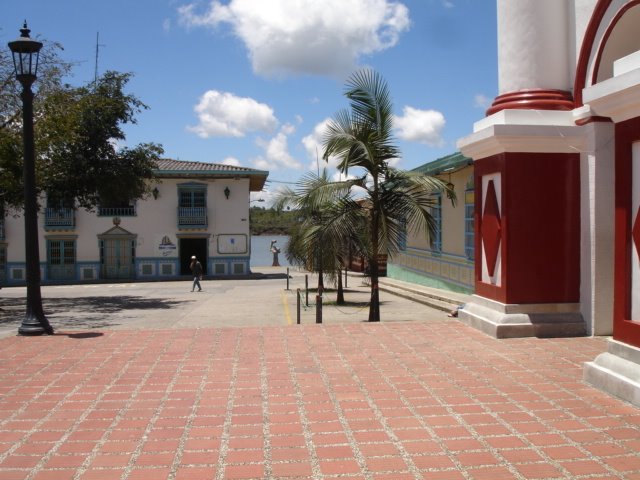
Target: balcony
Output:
{"points": [[59, 217], [128, 211], [192, 217]]}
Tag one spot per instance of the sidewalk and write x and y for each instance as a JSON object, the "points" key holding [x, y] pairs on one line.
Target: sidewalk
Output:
{"points": [[137, 385]]}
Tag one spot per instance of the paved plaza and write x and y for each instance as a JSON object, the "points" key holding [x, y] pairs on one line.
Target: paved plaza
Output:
{"points": [[151, 381]]}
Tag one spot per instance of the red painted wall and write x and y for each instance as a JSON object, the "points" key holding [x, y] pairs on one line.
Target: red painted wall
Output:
{"points": [[625, 329], [540, 217]]}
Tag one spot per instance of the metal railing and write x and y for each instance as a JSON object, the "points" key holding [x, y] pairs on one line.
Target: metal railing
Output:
{"points": [[59, 217], [129, 211], [192, 216]]}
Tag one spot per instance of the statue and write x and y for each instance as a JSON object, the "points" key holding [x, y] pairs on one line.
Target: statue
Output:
{"points": [[275, 250]]}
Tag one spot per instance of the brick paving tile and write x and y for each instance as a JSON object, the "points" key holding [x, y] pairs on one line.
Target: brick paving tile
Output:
{"points": [[55, 475], [346, 401], [394, 476], [102, 474], [384, 464], [583, 467], [65, 461], [110, 461], [195, 473], [521, 455], [244, 472], [331, 467], [292, 454], [291, 469], [539, 471], [159, 473], [492, 473]]}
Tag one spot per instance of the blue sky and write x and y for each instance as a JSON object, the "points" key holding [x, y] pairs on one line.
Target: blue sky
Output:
{"points": [[251, 82]]}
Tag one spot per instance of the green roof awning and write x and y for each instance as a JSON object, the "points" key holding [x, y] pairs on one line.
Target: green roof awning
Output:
{"points": [[447, 164]]}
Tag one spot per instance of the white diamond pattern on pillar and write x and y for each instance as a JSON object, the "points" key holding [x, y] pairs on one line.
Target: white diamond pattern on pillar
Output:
{"points": [[635, 217]]}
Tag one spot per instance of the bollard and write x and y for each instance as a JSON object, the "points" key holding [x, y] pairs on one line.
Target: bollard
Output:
{"points": [[298, 303], [287, 278], [318, 308], [306, 289]]}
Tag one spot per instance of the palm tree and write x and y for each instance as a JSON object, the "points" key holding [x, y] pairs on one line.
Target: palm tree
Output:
{"points": [[362, 138], [314, 243]]}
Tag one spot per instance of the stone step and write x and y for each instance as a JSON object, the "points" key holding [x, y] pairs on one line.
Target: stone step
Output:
{"points": [[440, 300]]}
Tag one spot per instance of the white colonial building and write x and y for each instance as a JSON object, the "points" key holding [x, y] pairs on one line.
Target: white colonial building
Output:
{"points": [[557, 177], [199, 209]]}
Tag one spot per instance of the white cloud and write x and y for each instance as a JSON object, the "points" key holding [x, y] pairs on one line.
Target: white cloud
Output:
{"points": [[222, 114], [276, 151], [481, 101], [313, 145], [422, 126], [231, 161], [306, 36]]}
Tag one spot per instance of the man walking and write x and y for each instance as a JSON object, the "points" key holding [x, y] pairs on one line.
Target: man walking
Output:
{"points": [[196, 269]]}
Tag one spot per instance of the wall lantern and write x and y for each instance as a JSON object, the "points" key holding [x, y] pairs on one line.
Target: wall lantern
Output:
{"points": [[227, 192], [450, 188], [155, 192]]}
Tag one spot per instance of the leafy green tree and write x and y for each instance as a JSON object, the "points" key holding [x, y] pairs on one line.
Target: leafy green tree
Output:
{"points": [[271, 221], [80, 159], [51, 71], [78, 131], [362, 139]]}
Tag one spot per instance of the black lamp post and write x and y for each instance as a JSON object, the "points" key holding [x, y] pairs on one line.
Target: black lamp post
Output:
{"points": [[25, 61]]}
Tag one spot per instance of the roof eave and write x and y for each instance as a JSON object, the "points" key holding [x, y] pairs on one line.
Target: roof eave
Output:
{"points": [[257, 178]]}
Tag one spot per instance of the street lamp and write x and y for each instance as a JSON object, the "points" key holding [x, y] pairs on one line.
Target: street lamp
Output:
{"points": [[25, 53]]}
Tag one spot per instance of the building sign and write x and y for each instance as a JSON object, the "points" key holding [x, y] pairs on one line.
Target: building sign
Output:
{"points": [[165, 246], [232, 244]]}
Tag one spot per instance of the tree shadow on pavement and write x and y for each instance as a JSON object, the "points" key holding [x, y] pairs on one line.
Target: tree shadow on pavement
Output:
{"points": [[84, 312]]}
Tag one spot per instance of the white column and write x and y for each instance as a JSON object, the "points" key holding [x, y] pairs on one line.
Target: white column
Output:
{"points": [[533, 45], [597, 173]]}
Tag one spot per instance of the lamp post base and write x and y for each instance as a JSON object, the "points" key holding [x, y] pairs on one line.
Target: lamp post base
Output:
{"points": [[34, 326]]}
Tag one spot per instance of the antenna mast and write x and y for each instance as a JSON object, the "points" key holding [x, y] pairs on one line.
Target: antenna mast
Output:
{"points": [[98, 45]]}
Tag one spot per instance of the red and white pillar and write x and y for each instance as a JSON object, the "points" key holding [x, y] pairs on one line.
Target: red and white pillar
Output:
{"points": [[527, 167], [618, 370]]}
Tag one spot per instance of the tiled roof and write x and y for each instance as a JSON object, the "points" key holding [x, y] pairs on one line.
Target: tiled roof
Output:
{"points": [[182, 168], [168, 164]]}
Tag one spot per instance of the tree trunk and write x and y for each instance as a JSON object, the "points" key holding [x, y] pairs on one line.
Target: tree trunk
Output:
{"points": [[340, 296], [320, 281], [374, 306]]}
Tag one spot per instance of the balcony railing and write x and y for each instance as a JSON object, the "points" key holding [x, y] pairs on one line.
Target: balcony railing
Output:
{"points": [[59, 217], [129, 211], [192, 216]]}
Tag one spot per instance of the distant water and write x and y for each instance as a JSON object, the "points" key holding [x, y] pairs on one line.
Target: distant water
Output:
{"points": [[261, 256]]}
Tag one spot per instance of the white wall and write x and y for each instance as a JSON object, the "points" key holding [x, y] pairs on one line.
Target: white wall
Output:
{"points": [[154, 219]]}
